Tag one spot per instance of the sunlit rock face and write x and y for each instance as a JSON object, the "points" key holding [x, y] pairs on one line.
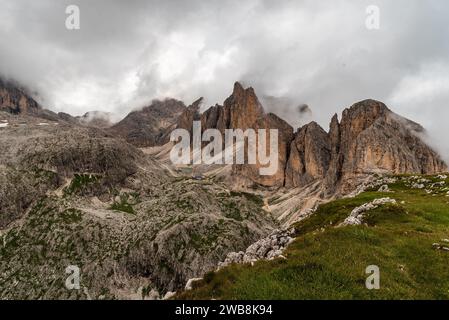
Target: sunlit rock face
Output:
{"points": [[242, 110], [372, 139]]}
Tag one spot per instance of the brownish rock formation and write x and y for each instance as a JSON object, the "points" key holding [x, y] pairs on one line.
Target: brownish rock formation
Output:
{"points": [[151, 125], [190, 114], [369, 139], [372, 139], [309, 158], [16, 101], [242, 110]]}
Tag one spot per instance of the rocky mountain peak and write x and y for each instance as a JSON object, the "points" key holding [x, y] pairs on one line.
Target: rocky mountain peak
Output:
{"points": [[367, 106], [244, 107], [362, 115], [190, 114], [372, 139], [311, 126], [150, 126]]}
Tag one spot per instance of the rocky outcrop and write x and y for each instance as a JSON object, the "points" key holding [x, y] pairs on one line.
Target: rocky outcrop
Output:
{"points": [[267, 248], [150, 126], [16, 100], [357, 215], [368, 139], [241, 110]]}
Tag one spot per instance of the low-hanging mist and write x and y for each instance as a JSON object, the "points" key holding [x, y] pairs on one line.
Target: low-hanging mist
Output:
{"points": [[291, 52]]}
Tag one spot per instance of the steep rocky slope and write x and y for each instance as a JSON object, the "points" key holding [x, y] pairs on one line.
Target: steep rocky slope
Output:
{"points": [[372, 139], [309, 156], [242, 110], [151, 125], [15, 100], [73, 195]]}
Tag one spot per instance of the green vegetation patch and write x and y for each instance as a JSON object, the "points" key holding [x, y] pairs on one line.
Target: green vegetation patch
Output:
{"points": [[125, 203], [71, 215], [82, 183], [329, 262]]}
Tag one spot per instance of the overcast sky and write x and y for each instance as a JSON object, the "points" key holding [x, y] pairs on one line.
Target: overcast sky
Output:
{"points": [[313, 52]]}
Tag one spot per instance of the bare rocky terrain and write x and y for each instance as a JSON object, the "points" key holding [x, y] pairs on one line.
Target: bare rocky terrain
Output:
{"points": [[106, 198], [73, 195]]}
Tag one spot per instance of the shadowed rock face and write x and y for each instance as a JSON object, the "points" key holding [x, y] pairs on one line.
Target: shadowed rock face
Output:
{"points": [[17, 101], [309, 156], [190, 114], [150, 126]]}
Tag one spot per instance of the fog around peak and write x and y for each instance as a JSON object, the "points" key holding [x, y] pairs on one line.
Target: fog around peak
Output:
{"points": [[318, 53]]}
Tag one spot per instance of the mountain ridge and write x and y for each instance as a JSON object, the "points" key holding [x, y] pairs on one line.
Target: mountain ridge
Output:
{"points": [[338, 156]]}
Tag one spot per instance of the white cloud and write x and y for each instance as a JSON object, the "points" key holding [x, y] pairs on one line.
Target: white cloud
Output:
{"points": [[424, 97], [306, 51]]}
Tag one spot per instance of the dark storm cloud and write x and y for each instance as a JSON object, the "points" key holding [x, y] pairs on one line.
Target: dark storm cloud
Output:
{"points": [[317, 53]]}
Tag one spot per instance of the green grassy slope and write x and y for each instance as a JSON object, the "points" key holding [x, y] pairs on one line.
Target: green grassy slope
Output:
{"points": [[329, 262]]}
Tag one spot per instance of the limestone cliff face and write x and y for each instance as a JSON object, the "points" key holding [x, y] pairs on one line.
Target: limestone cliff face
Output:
{"points": [[244, 106], [372, 139], [248, 175], [16, 101], [369, 139], [190, 114], [242, 110], [309, 156]]}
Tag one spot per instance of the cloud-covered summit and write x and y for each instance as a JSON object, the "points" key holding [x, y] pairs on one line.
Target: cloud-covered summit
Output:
{"points": [[317, 53]]}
